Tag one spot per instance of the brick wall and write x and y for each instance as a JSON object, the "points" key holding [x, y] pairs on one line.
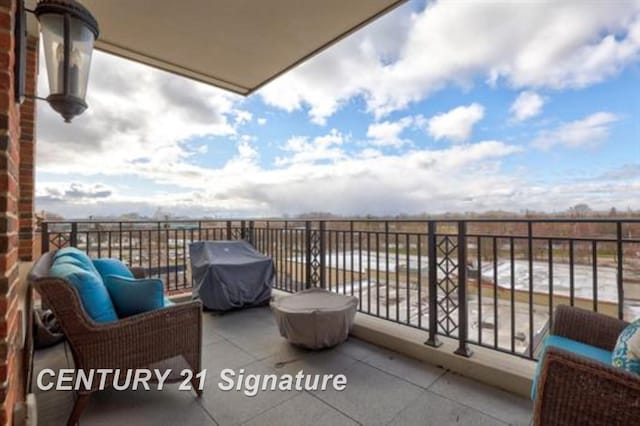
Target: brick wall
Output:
{"points": [[12, 209], [27, 155]]}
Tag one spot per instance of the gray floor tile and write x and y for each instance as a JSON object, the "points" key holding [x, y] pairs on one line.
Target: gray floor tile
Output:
{"points": [[262, 343], [52, 357], [302, 410], [54, 408], [381, 386], [209, 334], [431, 409], [234, 406], [253, 330], [219, 355], [208, 338], [236, 323], [357, 348], [411, 370], [283, 351], [492, 401], [145, 408], [320, 362], [371, 396], [51, 405]]}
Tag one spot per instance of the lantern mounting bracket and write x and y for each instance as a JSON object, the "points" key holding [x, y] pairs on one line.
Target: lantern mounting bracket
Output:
{"points": [[34, 97], [20, 53]]}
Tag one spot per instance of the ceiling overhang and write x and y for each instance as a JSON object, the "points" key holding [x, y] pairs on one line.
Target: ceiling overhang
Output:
{"points": [[238, 45]]}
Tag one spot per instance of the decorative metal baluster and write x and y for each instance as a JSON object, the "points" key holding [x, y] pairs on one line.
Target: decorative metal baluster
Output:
{"points": [[463, 348], [432, 253]]}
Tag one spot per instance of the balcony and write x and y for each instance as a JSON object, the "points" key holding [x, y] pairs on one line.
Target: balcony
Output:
{"points": [[383, 387], [474, 297], [438, 107]]}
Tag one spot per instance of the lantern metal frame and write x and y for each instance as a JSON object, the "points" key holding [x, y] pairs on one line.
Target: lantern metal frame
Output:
{"points": [[68, 105]]}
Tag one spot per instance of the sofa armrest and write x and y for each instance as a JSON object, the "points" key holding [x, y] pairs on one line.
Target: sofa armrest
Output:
{"points": [[587, 327], [138, 272], [576, 390]]}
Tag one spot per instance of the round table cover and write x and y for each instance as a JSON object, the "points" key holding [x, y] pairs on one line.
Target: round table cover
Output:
{"points": [[315, 318]]}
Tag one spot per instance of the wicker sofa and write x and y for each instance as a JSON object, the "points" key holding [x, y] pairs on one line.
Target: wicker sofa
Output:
{"points": [[575, 390], [166, 338]]}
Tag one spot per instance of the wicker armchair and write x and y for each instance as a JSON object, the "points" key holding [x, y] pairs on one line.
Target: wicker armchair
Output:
{"points": [[166, 338], [574, 390]]}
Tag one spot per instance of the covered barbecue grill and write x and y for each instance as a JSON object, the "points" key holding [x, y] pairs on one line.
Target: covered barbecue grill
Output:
{"points": [[230, 274]]}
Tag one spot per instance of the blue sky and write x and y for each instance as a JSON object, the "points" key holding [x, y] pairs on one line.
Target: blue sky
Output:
{"points": [[447, 106]]}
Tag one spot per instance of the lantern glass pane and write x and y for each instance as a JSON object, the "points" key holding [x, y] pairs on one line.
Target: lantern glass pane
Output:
{"points": [[53, 45], [80, 61]]}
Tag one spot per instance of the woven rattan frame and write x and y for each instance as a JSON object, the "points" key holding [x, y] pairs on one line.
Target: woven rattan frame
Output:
{"points": [[574, 390], [148, 340]]}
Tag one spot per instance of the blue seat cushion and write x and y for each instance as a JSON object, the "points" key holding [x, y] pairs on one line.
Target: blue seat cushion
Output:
{"points": [[133, 296], [573, 346], [107, 266], [91, 289]]}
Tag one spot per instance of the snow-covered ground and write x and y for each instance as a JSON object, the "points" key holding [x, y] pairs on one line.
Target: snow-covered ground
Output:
{"points": [[404, 306], [363, 260], [583, 274], [583, 278]]}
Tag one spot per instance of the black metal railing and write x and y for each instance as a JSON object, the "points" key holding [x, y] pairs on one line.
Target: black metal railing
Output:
{"points": [[485, 282]]}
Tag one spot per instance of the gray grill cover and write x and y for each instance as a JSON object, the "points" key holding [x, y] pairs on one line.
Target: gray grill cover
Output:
{"points": [[230, 274]]}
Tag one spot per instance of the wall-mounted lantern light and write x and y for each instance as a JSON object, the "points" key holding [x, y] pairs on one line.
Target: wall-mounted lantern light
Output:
{"points": [[68, 33]]}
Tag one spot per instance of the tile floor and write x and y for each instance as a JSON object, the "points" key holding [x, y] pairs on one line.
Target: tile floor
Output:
{"points": [[383, 388]]}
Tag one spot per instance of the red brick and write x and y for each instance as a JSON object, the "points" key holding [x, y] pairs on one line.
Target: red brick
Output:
{"points": [[8, 4], [16, 183], [7, 241], [8, 259]]}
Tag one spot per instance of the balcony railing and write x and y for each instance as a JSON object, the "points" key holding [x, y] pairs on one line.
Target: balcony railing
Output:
{"points": [[491, 283]]}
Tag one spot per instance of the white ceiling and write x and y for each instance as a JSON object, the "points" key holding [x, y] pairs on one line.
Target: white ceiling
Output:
{"points": [[238, 45]]}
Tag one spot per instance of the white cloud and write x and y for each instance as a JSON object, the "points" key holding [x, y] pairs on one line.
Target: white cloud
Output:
{"points": [[319, 174], [149, 132], [430, 180], [146, 132], [242, 117], [347, 69], [370, 153], [247, 155], [75, 191], [388, 133], [587, 132], [456, 124], [302, 151], [528, 104], [554, 45]]}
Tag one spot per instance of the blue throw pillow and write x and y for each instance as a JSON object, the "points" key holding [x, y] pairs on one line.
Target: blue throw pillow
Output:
{"points": [[626, 354], [76, 256], [133, 296], [111, 267], [93, 294]]}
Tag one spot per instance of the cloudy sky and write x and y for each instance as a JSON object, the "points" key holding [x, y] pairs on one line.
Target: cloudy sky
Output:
{"points": [[439, 106]]}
